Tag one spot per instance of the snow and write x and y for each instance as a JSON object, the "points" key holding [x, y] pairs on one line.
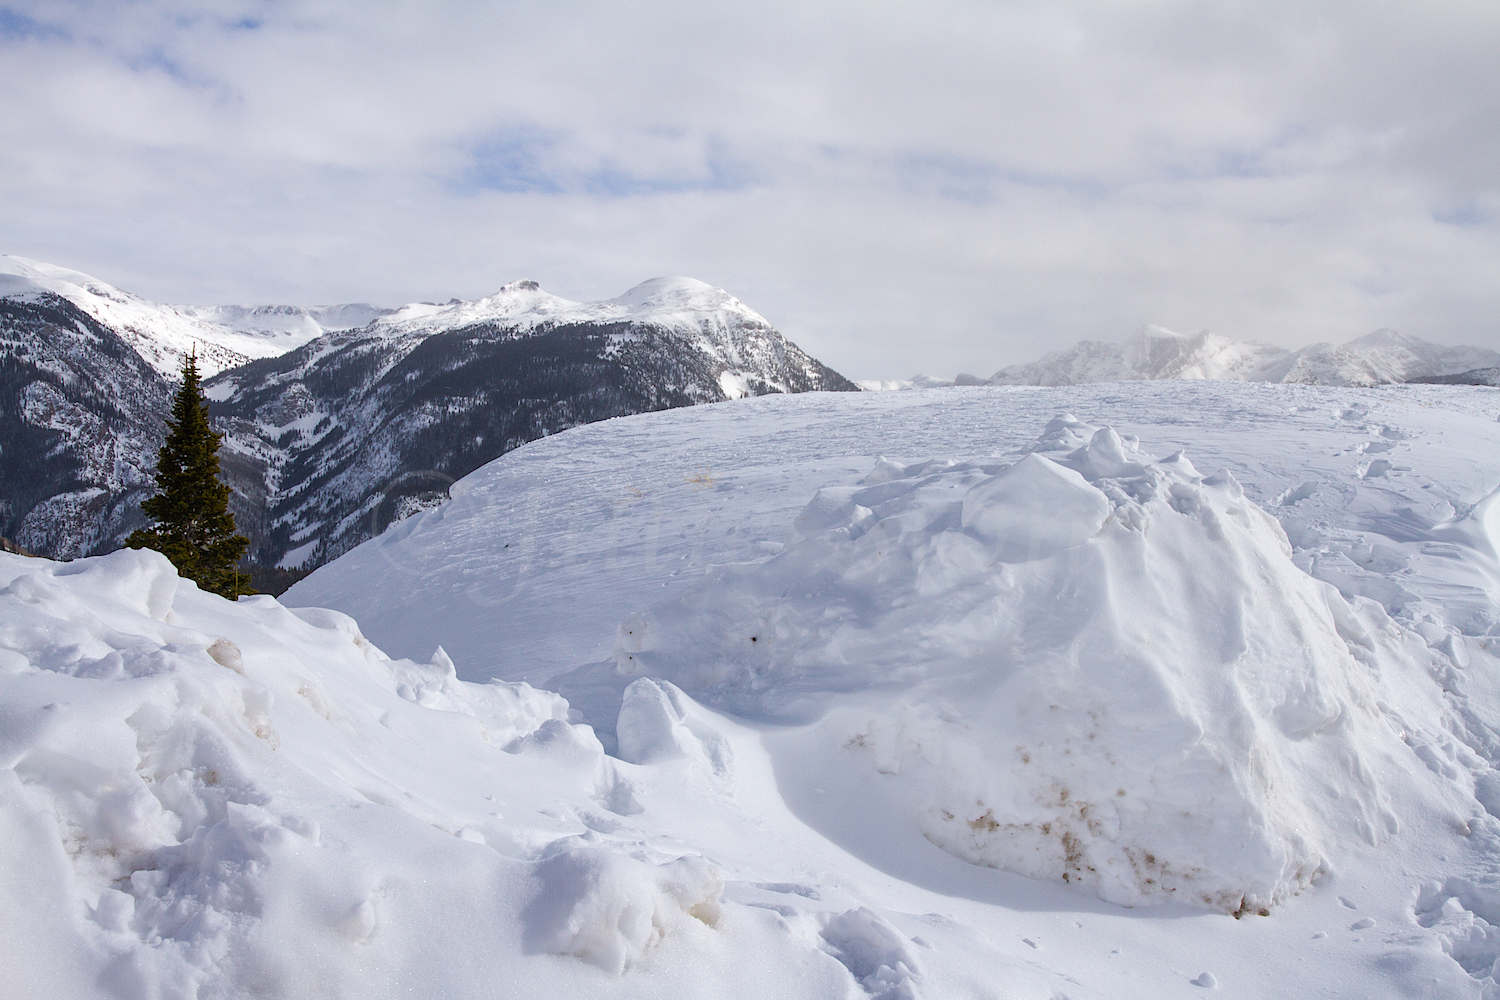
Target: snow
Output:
{"points": [[1154, 352], [1093, 667], [712, 319], [675, 303], [297, 556], [223, 336], [849, 688]]}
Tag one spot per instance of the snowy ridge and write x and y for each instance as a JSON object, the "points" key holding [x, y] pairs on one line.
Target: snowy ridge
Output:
{"points": [[679, 303], [380, 420], [224, 336], [1476, 376], [1379, 358], [711, 318]]}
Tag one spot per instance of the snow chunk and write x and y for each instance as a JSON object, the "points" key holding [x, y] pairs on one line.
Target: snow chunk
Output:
{"points": [[657, 723], [610, 910], [1034, 510]]}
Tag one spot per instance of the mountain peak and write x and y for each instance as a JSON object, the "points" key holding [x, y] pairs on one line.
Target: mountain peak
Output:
{"points": [[223, 336], [1387, 337]]}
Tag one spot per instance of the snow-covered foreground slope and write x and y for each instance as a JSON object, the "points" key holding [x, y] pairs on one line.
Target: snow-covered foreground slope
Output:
{"points": [[205, 799], [1019, 644], [529, 570], [995, 679]]}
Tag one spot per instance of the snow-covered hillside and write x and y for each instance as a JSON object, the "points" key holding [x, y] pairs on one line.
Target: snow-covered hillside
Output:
{"points": [[1154, 352], [223, 336], [347, 415], [349, 428], [972, 696]]}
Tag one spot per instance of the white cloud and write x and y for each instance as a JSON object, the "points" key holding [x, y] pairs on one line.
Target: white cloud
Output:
{"points": [[899, 186]]}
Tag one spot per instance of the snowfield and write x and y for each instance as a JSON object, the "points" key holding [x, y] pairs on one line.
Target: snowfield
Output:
{"points": [[1098, 691]]}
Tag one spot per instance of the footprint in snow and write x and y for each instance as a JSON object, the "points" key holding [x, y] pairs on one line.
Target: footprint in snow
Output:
{"points": [[1362, 924]]}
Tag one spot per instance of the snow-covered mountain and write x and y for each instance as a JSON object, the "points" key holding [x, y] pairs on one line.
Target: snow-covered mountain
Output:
{"points": [[1154, 352], [1476, 376], [79, 427], [355, 428], [224, 336], [331, 434]]}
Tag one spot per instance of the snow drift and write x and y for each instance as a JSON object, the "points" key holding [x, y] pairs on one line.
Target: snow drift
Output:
{"points": [[201, 798], [1090, 665]]}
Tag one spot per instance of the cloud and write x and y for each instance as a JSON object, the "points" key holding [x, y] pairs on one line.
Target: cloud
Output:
{"points": [[945, 186]]}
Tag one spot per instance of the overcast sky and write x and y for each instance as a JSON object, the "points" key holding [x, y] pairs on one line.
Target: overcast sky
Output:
{"points": [[899, 187]]}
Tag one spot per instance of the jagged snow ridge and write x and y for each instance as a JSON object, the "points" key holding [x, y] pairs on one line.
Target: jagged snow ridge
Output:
{"points": [[1092, 666], [224, 336]]}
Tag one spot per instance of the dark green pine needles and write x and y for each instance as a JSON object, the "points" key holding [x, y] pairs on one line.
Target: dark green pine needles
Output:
{"points": [[194, 527]]}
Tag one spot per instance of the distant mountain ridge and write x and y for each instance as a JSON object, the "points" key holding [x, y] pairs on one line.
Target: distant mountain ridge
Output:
{"points": [[1379, 358], [1475, 376], [224, 336], [330, 433]]}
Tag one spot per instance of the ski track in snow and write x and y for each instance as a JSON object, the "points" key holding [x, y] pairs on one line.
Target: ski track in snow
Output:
{"points": [[211, 799]]}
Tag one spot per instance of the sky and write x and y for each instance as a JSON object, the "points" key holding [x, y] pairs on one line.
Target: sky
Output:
{"points": [[944, 186]]}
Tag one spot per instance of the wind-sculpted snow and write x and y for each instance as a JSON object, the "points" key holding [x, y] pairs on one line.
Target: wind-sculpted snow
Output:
{"points": [[206, 799], [1091, 665]]}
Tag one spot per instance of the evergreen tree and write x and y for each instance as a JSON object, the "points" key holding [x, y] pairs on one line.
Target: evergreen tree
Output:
{"points": [[194, 527]]}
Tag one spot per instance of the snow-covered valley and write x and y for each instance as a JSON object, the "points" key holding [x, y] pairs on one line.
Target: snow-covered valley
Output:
{"points": [[1115, 690]]}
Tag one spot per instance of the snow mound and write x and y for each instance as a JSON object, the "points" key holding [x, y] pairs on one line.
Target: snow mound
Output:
{"points": [[204, 798], [1091, 665]]}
